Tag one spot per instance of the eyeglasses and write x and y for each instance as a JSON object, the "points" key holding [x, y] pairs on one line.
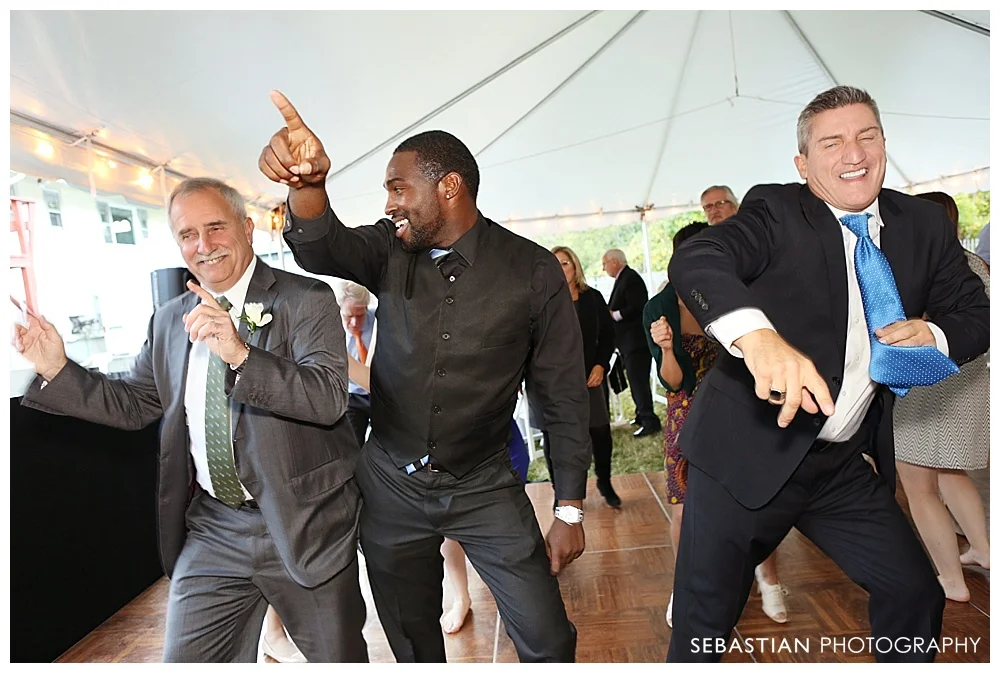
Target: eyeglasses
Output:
{"points": [[716, 205]]}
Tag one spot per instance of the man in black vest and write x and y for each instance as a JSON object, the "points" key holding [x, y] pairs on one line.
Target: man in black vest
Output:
{"points": [[467, 310], [628, 298]]}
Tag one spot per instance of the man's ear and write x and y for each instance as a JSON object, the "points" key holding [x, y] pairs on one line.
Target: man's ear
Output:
{"points": [[800, 165], [449, 185]]}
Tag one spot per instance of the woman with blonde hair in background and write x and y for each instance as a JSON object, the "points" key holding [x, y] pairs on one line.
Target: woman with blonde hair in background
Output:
{"points": [[597, 328]]}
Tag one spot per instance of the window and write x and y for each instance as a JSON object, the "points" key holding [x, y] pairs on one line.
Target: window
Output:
{"points": [[118, 227], [54, 206]]}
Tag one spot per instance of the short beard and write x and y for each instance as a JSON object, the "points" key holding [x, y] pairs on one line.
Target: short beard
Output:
{"points": [[422, 239]]}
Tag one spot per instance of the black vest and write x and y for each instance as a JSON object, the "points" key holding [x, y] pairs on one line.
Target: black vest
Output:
{"points": [[451, 355]]}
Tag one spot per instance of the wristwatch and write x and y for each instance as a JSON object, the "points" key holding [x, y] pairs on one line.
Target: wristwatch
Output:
{"points": [[239, 368], [569, 514]]}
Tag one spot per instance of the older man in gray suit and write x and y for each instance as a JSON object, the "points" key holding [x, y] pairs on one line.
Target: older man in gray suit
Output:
{"points": [[256, 498]]}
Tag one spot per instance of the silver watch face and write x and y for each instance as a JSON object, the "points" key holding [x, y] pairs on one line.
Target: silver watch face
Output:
{"points": [[569, 514]]}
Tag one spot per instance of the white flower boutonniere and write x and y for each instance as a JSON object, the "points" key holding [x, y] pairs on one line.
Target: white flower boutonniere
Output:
{"points": [[254, 316]]}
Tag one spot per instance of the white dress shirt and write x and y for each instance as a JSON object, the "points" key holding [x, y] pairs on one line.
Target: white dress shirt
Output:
{"points": [[197, 383], [858, 389]]}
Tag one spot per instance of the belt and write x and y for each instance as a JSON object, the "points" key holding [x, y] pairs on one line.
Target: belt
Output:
{"points": [[427, 462]]}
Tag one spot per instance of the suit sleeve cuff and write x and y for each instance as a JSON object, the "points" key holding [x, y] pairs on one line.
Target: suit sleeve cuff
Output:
{"points": [[571, 485], [732, 326], [301, 230], [941, 341]]}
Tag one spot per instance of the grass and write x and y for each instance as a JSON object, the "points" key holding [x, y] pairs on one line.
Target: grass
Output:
{"points": [[630, 455]]}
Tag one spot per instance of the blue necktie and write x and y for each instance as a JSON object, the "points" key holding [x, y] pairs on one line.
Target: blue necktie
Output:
{"points": [[899, 367]]}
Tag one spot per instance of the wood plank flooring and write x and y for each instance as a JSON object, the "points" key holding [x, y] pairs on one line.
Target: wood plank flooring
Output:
{"points": [[616, 595]]}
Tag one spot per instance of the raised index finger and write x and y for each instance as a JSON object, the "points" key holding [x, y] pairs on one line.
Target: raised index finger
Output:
{"points": [[292, 119], [206, 296]]}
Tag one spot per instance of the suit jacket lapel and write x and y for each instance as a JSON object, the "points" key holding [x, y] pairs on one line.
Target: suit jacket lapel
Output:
{"points": [[896, 243], [828, 229], [261, 291]]}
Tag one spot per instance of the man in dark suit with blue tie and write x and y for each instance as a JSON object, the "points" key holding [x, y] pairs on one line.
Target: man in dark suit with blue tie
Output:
{"points": [[818, 293]]}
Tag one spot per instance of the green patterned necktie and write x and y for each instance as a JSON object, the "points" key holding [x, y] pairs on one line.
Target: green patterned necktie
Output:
{"points": [[218, 435]]}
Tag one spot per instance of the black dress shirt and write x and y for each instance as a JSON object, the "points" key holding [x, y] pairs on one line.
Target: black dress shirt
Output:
{"points": [[457, 336]]}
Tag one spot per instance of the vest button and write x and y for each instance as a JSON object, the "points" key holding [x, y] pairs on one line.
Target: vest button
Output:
{"points": [[436, 409], [817, 422], [836, 380], [445, 336], [449, 300], [432, 445], [441, 372]]}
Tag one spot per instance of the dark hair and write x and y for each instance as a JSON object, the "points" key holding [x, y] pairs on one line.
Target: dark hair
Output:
{"points": [[688, 231], [949, 204], [440, 153]]}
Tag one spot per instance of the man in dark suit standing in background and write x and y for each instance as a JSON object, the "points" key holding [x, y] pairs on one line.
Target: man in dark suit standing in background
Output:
{"points": [[256, 497], [628, 298], [809, 288]]}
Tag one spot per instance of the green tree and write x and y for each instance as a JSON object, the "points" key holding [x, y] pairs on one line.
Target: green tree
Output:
{"points": [[591, 244], [973, 213]]}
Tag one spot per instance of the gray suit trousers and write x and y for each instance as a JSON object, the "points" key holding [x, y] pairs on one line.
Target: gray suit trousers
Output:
{"points": [[228, 573]]}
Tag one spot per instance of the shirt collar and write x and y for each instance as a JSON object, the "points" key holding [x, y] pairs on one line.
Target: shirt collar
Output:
{"points": [[237, 294], [468, 245], [873, 209]]}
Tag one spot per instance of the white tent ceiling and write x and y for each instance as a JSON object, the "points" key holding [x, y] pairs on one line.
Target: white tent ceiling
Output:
{"points": [[600, 111]]}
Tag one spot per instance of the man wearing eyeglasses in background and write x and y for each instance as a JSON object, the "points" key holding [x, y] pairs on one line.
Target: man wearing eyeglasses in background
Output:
{"points": [[719, 203]]}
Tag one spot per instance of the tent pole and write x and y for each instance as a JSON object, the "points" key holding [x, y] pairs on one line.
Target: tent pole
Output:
{"points": [[90, 167], [163, 188], [645, 242], [649, 286]]}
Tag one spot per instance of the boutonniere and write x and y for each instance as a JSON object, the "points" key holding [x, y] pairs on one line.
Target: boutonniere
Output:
{"points": [[254, 316]]}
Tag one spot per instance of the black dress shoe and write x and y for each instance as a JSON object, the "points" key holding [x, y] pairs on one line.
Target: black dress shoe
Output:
{"points": [[608, 492], [645, 431]]}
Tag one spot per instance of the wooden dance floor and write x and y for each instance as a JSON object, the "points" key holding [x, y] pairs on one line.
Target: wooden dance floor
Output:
{"points": [[616, 594]]}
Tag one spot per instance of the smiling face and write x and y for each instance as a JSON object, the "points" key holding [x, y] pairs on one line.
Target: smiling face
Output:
{"points": [[844, 161], [413, 203], [215, 245]]}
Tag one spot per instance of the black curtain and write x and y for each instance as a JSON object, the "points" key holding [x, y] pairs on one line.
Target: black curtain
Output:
{"points": [[82, 527]]}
